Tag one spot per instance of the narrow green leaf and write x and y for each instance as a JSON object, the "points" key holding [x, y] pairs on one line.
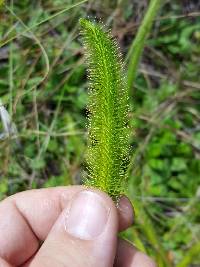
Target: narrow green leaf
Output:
{"points": [[138, 44], [107, 154], [190, 255]]}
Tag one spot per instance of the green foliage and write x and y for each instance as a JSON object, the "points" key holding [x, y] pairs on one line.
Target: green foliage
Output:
{"points": [[50, 116], [107, 154], [3, 188], [138, 43], [190, 255]]}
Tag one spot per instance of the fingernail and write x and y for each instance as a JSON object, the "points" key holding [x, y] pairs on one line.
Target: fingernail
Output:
{"points": [[87, 216]]}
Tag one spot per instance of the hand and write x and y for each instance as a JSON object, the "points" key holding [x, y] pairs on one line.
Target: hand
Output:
{"points": [[66, 226]]}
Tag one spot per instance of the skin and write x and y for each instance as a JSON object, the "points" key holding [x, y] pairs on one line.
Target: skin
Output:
{"points": [[33, 232]]}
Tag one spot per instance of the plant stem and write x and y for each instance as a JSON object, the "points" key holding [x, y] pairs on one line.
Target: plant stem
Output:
{"points": [[11, 84], [190, 255], [138, 43], [1, 2]]}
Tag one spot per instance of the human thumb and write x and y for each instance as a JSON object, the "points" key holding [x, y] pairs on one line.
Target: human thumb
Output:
{"points": [[85, 234]]}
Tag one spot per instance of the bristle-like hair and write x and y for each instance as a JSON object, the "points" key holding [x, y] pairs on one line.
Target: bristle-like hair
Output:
{"points": [[107, 153]]}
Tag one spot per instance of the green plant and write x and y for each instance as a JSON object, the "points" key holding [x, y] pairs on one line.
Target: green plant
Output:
{"points": [[1, 2], [138, 43], [107, 154], [163, 180], [190, 255]]}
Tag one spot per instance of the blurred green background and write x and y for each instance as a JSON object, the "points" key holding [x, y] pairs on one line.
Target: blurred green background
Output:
{"points": [[43, 87]]}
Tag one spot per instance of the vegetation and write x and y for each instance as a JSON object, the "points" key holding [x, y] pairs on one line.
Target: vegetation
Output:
{"points": [[107, 154], [43, 88]]}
